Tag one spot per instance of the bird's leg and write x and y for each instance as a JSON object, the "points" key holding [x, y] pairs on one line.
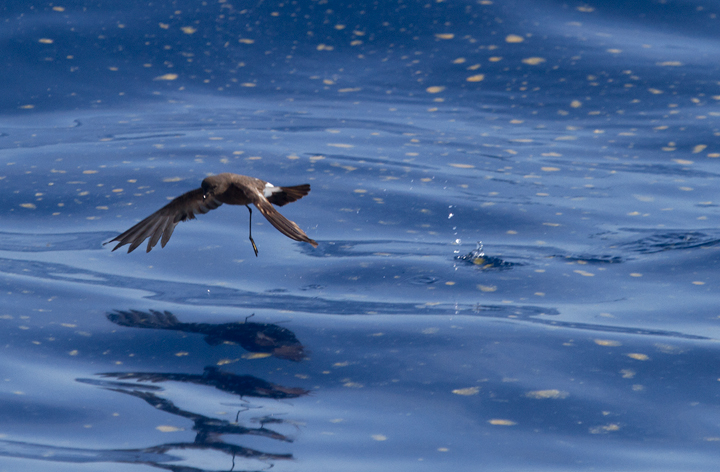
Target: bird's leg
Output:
{"points": [[250, 231]]}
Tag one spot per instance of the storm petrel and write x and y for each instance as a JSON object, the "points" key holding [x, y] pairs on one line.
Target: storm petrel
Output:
{"points": [[215, 190]]}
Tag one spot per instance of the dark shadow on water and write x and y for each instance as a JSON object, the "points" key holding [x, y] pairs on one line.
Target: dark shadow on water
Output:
{"points": [[242, 385], [253, 337], [208, 431]]}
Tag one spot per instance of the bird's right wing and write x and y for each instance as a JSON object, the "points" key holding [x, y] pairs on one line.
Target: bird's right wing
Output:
{"points": [[162, 223], [282, 224]]}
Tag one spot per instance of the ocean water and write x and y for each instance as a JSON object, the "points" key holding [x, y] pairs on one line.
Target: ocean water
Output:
{"points": [[516, 205]]}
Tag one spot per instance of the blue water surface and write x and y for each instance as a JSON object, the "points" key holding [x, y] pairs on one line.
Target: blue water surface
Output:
{"points": [[516, 207]]}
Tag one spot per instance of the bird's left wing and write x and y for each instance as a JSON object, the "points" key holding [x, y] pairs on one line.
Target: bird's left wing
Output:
{"points": [[162, 223]]}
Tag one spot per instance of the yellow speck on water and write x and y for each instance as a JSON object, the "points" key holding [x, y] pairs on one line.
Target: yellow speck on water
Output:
{"points": [[166, 77], [45, 40], [576, 104], [445, 36], [379, 437], [639, 357], [353, 385], [256, 355], [31, 206], [360, 190], [628, 373], [246, 41], [341, 145], [605, 429], [699, 148], [188, 29], [74, 352], [487, 288], [182, 353], [435, 89], [584, 273], [169, 429], [499, 422], [606, 342], [543, 394], [550, 169], [476, 78], [226, 361], [635, 274], [514, 38], [533, 61], [462, 166], [172, 179], [467, 391]]}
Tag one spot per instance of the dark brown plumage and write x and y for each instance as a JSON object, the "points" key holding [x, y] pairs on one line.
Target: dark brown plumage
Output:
{"points": [[215, 190]]}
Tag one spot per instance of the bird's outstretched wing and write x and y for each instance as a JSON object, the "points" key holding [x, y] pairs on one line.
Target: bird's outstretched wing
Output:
{"points": [[163, 222], [282, 224]]}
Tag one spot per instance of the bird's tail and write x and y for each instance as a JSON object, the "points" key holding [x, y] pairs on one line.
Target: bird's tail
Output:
{"points": [[283, 195]]}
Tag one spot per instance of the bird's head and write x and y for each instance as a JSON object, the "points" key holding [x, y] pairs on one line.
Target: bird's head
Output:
{"points": [[209, 186]]}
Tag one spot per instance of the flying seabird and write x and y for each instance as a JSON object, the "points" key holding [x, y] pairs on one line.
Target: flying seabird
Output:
{"points": [[233, 189]]}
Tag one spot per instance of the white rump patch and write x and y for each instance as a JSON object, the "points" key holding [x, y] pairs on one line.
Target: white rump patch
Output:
{"points": [[270, 189]]}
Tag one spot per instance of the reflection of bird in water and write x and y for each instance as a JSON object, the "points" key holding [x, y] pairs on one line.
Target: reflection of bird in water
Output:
{"points": [[243, 385], [254, 337], [215, 190], [210, 432]]}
